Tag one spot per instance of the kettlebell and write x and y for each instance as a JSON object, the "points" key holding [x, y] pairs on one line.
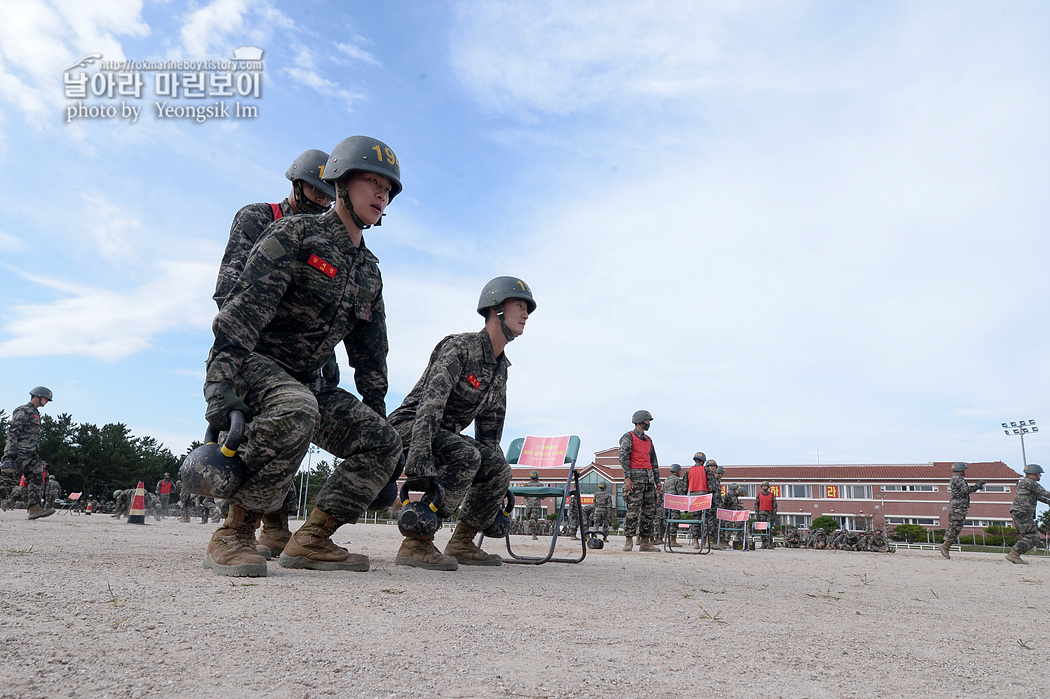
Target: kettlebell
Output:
{"points": [[420, 518], [215, 470], [501, 526], [594, 541]]}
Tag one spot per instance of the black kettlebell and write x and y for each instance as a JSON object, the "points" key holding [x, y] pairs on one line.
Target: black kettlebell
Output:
{"points": [[215, 470], [420, 518], [501, 526], [594, 541]]}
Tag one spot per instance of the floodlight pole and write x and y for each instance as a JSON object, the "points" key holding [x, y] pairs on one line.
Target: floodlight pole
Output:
{"points": [[1020, 428]]}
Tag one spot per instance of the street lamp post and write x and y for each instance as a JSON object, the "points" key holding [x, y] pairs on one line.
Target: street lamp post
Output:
{"points": [[304, 481], [1021, 428]]}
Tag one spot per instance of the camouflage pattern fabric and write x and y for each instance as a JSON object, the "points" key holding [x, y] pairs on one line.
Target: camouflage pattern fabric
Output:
{"points": [[305, 288], [641, 501], [23, 436], [533, 509], [675, 485], [601, 518], [1023, 512], [958, 506], [54, 491], [573, 515], [248, 225], [588, 518]]}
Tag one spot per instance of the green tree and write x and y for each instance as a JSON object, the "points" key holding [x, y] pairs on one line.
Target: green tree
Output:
{"points": [[1044, 522], [908, 532], [828, 524]]}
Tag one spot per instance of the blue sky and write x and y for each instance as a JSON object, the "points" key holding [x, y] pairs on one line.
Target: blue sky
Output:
{"points": [[781, 227]]}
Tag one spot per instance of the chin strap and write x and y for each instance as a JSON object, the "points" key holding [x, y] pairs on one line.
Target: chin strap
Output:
{"points": [[344, 194], [303, 203], [507, 332]]}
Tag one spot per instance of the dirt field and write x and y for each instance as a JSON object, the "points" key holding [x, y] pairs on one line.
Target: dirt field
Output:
{"points": [[94, 607]]}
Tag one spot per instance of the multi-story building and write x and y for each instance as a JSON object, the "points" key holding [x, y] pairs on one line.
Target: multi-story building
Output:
{"points": [[857, 495]]}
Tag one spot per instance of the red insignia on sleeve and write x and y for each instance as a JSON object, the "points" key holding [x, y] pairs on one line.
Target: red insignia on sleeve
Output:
{"points": [[473, 381], [320, 264]]}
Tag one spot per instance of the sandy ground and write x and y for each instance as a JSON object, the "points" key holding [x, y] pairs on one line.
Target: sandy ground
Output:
{"points": [[94, 607]]}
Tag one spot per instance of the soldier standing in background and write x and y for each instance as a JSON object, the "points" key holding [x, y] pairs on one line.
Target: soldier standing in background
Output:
{"points": [[308, 284], [641, 482], [465, 382], [574, 519], [958, 506], [1023, 511], [20, 452], [601, 517], [697, 483], [164, 487], [310, 196], [766, 511], [53, 490], [714, 484], [532, 505], [675, 485]]}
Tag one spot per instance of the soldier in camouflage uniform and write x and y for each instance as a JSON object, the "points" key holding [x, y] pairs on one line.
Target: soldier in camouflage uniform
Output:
{"points": [[601, 514], [310, 196], [588, 517], [959, 505], [53, 490], [793, 539], [185, 503], [164, 488], [641, 482], [766, 511], [731, 501], [1023, 511], [465, 381], [574, 519], [532, 505], [20, 456], [714, 484], [309, 283], [878, 543], [674, 484]]}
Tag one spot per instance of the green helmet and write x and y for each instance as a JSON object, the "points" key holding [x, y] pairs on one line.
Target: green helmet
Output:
{"points": [[765, 484], [308, 167], [959, 466], [500, 289], [366, 154], [641, 416], [720, 470], [700, 456], [42, 392], [1033, 468], [534, 475], [734, 487], [676, 468], [601, 486]]}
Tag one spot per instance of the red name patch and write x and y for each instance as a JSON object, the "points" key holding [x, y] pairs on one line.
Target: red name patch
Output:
{"points": [[473, 381], [320, 264]]}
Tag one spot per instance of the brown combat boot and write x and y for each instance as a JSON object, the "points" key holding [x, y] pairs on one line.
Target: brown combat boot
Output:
{"points": [[945, 547], [419, 551], [647, 544], [231, 551], [311, 547], [1015, 557], [275, 532], [696, 542], [36, 512], [462, 547], [629, 544], [674, 540]]}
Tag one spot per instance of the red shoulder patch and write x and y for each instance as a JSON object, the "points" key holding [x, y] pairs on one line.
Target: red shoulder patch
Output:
{"points": [[317, 263], [473, 381]]}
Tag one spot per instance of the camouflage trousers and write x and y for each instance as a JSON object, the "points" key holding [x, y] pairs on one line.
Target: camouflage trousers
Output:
{"points": [[767, 516], [695, 530], [472, 474], [588, 518], [164, 499], [641, 504], [572, 515], [1029, 531], [601, 520], [532, 517], [32, 468], [956, 520], [288, 416]]}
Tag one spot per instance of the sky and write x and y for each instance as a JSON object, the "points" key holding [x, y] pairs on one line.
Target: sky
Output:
{"points": [[795, 232]]}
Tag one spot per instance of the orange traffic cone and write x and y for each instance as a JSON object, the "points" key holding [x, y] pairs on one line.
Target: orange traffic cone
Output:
{"points": [[89, 507], [137, 514], [22, 483]]}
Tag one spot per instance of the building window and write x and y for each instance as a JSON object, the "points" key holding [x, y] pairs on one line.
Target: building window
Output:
{"points": [[892, 488], [795, 491], [925, 521], [997, 489], [910, 488], [801, 521], [857, 492]]}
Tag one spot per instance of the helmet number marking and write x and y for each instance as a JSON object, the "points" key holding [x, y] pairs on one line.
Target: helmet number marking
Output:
{"points": [[390, 157]]}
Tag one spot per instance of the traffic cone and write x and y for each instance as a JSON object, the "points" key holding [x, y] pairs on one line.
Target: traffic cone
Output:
{"points": [[22, 483], [137, 514], [89, 507]]}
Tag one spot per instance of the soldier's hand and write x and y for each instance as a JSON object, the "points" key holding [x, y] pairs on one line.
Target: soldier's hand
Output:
{"points": [[221, 400], [426, 484], [420, 468], [627, 487], [980, 484]]}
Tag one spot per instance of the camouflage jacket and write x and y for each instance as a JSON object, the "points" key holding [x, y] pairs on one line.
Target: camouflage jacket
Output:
{"points": [[731, 501], [774, 510], [676, 485], [534, 501], [1028, 492], [627, 444], [305, 288], [602, 502], [961, 491], [464, 382], [23, 432], [160, 483], [248, 225]]}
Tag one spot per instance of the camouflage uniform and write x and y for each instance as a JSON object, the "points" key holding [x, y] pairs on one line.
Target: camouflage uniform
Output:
{"points": [[464, 382], [877, 542], [588, 517], [793, 539], [164, 497], [958, 506], [54, 490], [248, 225], [602, 517], [767, 516], [641, 501], [533, 509], [1023, 512], [23, 436], [573, 514], [305, 288], [185, 503]]}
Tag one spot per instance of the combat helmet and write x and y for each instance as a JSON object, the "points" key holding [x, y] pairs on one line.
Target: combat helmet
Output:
{"points": [[534, 475], [42, 392], [309, 167], [601, 486], [676, 468], [499, 290], [959, 466], [1033, 468], [641, 416], [365, 154], [700, 456]]}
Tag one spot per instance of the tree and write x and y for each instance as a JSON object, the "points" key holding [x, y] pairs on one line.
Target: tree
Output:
{"points": [[828, 524], [1044, 522], [908, 532]]}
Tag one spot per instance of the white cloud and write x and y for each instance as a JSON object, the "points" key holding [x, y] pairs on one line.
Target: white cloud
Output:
{"points": [[357, 53], [206, 28]]}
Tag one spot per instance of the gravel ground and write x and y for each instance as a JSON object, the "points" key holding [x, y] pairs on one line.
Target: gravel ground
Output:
{"points": [[94, 607]]}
